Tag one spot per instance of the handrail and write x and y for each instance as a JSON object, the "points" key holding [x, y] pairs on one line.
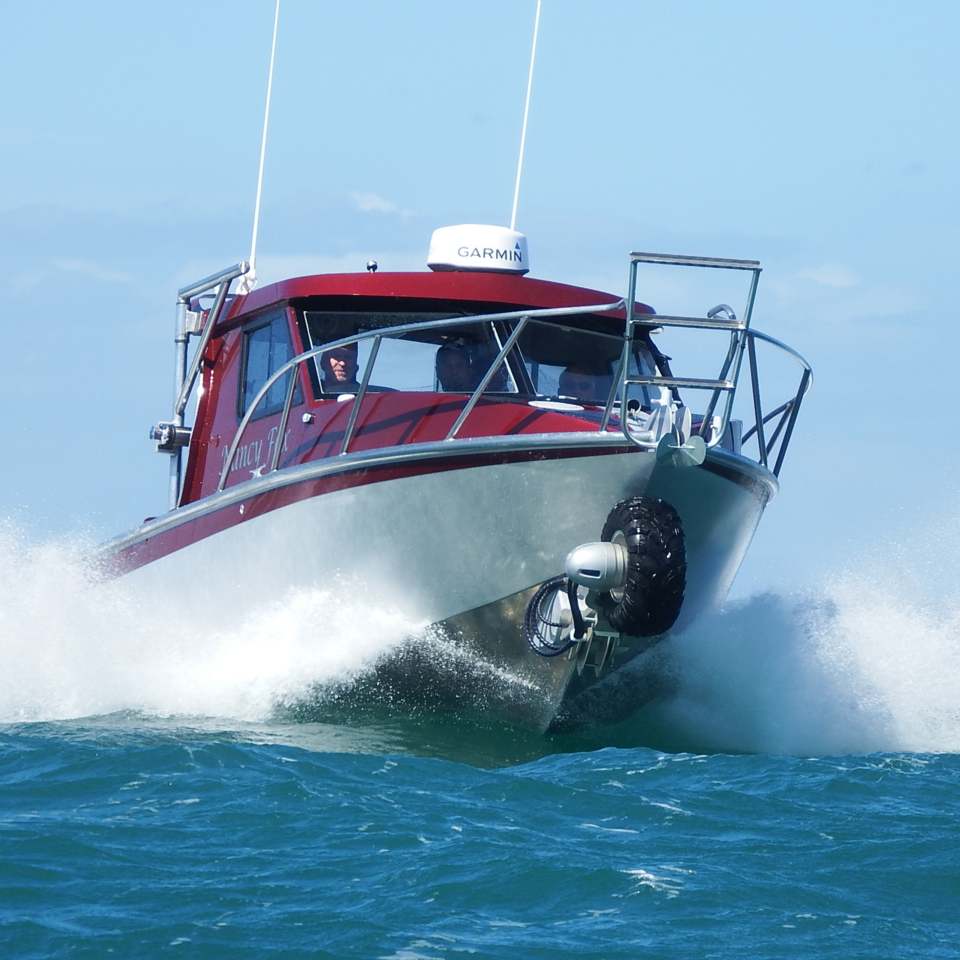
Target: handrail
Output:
{"points": [[680, 260], [487, 377], [742, 340], [355, 411], [402, 328], [689, 383], [214, 280], [786, 349], [729, 375], [186, 388], [170, 434], [773, 413], [786, 411], [701, 323]]}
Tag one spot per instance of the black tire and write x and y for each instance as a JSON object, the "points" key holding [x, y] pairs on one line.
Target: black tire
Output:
{"points": [[656, 566]]}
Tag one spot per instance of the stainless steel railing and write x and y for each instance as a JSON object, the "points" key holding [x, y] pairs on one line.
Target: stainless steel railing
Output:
{"points": [[519, 316], [171, 435], [742, 341]]}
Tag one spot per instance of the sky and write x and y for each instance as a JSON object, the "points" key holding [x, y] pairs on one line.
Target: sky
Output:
{"points": [[819, 138]]}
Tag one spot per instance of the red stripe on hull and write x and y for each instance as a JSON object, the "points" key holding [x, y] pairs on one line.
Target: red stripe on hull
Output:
{"points": [[165, 542]]}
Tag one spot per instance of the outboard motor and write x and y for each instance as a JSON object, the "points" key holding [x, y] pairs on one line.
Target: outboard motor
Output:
{"points": [[632, 580]]}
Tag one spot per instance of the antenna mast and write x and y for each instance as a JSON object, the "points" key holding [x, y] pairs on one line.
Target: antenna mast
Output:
{"points": [[526, 113], [249, 281]]}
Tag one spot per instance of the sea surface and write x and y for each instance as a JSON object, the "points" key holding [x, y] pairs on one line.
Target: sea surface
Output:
{"points": [[178, 788]]}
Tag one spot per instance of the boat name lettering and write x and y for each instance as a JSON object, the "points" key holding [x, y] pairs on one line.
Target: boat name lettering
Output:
{"points": [[249, 455], [490, 253]]}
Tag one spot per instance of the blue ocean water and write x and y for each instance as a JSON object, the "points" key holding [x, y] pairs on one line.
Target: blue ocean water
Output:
{"points": [[793, 791]]}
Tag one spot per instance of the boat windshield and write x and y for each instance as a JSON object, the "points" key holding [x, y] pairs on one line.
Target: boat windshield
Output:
{"points": [[552, 359], [570, 363], [443, 360]]}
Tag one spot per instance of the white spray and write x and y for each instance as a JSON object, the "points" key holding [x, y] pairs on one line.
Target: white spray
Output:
{"points": [[868, 662], [76, 647]]}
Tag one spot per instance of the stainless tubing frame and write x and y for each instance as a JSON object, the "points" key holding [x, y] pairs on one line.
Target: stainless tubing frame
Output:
{"points": [[791, 423], [186, 388], [214, 280], [691, 383], [782, 410], [358, 400], [738, 362], [726, 382], [742, 338], [624, 358], [757, 407], [789, 410], [487, 377], [394, 331], [184, 381], [739, 331], [679, 260], [180, 338]]}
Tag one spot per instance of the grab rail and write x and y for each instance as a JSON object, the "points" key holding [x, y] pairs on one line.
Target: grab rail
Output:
{"points": [[171, 435], [377, 335], [787, 411], [742, 340]]}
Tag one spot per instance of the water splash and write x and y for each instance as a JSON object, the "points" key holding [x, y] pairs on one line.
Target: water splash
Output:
{"points": [[870, 662], [77, 647]]}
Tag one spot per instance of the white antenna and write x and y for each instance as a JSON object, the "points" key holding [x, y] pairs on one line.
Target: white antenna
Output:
{"points": [[249, 281], [526, 113]]}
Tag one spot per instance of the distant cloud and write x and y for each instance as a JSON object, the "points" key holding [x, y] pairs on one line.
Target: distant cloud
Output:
{"points": [[37, 274], [92, 270], [830, 275], [368, 202], [834, 302]]}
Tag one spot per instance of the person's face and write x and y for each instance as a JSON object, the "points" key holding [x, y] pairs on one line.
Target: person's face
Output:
{"points": [[340, 364]]}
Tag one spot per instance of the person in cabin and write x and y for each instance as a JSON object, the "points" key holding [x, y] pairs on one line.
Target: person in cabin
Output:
{"points": [[584, 383], [454, 373], [338, 370], [499, 382]]}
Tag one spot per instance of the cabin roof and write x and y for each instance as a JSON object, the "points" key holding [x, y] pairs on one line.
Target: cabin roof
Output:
{"points": [[507, 289]]}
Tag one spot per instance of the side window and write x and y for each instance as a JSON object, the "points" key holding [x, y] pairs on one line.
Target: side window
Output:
{"points": [[266, 348]]}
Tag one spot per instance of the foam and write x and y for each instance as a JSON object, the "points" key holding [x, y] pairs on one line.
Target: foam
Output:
{"points": [[869, 661], [75, 646]]}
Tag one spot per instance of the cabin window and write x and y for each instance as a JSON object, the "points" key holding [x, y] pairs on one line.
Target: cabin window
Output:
{"points": [[266, 348], [445, 359], [572, 363]]}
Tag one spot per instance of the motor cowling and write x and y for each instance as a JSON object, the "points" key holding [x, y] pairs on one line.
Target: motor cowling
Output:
{"points": [[600, 566]]}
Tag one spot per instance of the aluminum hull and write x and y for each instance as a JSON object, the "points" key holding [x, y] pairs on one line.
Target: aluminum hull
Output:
{"points": [[457, 548]]}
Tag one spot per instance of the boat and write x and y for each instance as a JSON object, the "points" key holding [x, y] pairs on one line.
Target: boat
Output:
{"points": [[510, 462]]}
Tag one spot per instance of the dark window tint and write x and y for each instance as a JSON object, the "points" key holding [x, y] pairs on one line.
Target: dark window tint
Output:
{"points": [[266, 348]]}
